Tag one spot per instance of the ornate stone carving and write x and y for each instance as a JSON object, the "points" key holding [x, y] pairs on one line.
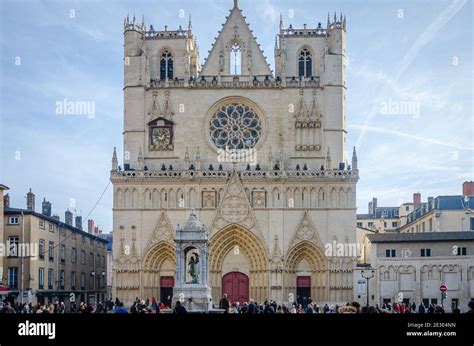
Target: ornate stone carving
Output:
{"points": [[163, 231], [306, 231], [259, 198], [209, 199], [236, 209]]}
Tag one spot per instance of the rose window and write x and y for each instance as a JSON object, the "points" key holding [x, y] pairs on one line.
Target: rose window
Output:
{"points": [[235, 126]]}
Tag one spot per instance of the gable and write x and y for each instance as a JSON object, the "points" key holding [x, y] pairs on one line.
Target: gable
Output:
{"points": [[236, 31]]}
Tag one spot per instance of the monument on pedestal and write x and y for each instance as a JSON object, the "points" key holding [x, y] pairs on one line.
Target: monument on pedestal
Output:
{"points": [[192, 270]]}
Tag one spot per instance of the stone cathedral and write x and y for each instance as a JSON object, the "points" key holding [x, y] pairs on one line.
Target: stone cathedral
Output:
{"points": [[260, 156]]}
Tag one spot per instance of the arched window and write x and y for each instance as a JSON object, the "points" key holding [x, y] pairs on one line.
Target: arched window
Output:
{"points": [[166, 65], [304, 63], [235, 60]]}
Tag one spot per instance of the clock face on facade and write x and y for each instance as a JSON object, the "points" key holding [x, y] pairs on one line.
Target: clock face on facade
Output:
{"points": [[161, 136]]}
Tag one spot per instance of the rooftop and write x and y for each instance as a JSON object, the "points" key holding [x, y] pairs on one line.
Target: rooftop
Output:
{"points": [[420, 237], [15, 211]]}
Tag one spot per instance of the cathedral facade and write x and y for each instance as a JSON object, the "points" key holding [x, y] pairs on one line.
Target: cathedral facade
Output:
{"points": [[258, 155]]}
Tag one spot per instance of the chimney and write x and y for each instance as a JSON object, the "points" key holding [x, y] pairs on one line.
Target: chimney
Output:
{"points": [[417, 198], [30, 200], [6, 200], [46, 207], [468, 188], [79, 222], [430, 203], [68, 217], [90, 226], [96, 230]]}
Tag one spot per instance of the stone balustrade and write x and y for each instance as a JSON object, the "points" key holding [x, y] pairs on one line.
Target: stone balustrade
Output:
{"points": [[244, 175]]}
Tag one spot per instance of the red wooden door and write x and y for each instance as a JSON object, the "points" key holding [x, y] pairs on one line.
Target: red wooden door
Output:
{"points": [[236, 286], [166, 289], [166, 281], [303, 289]]}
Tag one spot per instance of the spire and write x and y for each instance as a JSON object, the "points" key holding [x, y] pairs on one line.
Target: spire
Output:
{"points": [[198, 159], [186, 159], [354, 160], [328, 160], [281, 21], [236, 3], [335, 17], [190, 24], [329, 21], [140, 159], [143, 24], [114, 160]]}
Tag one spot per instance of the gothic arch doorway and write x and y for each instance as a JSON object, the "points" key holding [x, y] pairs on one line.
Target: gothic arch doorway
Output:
{"points": [[306, 271], [159, 269], [236, 286], [237, 240]]}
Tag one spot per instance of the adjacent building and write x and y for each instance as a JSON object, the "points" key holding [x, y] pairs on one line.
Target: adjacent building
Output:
{"points": [[7, 198], [48, 259], [434, 246]]}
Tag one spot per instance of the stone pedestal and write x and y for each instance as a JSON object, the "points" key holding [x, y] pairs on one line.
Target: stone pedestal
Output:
{"points": [[194, 298], [192, 271]]}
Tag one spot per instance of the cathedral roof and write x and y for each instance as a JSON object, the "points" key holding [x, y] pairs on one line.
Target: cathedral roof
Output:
{"points": [[236, 30]]}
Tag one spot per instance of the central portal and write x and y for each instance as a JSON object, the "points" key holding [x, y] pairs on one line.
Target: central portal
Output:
{"points": [[236, 286]]}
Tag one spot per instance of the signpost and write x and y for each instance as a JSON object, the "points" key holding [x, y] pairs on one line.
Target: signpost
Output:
{"points": [[443, 288]]}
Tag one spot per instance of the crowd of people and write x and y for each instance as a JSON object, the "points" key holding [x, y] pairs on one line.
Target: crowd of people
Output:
{"points": [[56, 307], [306, 306]]}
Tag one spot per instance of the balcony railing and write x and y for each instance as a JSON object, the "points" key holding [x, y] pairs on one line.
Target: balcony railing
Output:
{"points": [[253, 174]]}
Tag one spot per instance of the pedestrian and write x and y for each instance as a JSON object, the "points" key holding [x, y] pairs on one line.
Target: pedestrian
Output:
{"points": [[179, 308], [224, 303], [471, 307], [421, 308], [252, 308]]}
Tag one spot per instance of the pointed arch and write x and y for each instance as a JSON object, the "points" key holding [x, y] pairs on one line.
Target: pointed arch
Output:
{"points": [[119, 204], [153, 268], [242, 242], [314, 256], [305, 62], [342, 198], [166, 64], [193, 198]]}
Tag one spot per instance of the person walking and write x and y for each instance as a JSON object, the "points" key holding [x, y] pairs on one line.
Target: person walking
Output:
{"points": [[224, 304]]}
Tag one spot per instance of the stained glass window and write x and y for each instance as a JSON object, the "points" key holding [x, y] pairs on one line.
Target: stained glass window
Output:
{"points": [[235, 126], [166, 65], [305, 63]]}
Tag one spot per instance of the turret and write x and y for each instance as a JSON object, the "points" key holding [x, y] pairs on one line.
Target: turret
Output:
{"points": [[114, 160], [354, 160], [328, 159]]}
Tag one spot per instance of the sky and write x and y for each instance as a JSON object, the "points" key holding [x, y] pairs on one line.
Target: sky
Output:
{"points": [[409, 97]]}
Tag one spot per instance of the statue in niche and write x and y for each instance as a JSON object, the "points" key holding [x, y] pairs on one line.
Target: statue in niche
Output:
{"points": [[193, 261]]}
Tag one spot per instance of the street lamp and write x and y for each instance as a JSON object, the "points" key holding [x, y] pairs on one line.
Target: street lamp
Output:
{"points": [[367, 276], [98, 284]]}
